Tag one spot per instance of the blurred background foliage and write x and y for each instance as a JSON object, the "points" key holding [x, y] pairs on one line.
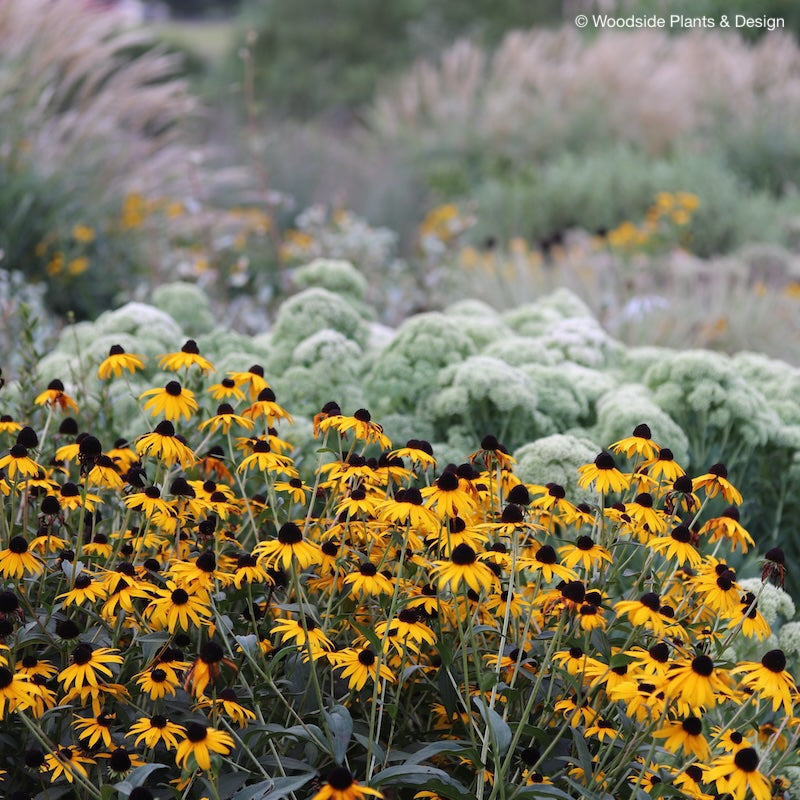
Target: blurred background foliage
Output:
{"points": [[447, 149]]}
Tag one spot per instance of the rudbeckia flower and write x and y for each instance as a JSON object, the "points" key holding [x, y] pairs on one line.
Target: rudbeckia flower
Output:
{"points": [[407, 628], [18, 461], [366, 581], [677, 545], [227, 703], [117, 361], [66, 761], [265, 406], [253, 379], [685, 735], [727, 526], [770, 679], [164, 444], [224, 418], [585, 553], [359, 665], [16, 561], [545, 561], [173, 401], [200, 742], [736, 773], [175, 608], [664, 466], [7, 424], [604, 473], [696, 683], [206, 668], [463, 568], [640, 442], [342, 786], [84, 590], [447, 498], [360, 424], [716, 481], [418, 451], [310, 638], [226, 389], [157, 683], [406, 508], [87, 663], [266, 459], [187, 356], [155, 729], [149, 501], [54, 395], [16, 691], [290, 545], [94, 730]]}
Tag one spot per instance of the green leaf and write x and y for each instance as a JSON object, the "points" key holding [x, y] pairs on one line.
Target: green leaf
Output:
{"points": [[273, 788], [540, 790], [414, 775], [620, 660], [500, 732], [428, 751], [340, 724], [141, 774], [584, 756], [369, 634], [108, 792], [376, 748]]}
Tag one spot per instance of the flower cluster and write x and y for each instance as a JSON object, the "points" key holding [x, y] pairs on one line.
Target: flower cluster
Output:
{"points": [[199, 599]]}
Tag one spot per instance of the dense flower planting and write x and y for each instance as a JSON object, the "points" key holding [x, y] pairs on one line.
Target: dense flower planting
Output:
{"points": [[202, 611]]}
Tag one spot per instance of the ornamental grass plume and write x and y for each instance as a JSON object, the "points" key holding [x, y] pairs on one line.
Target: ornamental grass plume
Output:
{"points": [[379, 619]]}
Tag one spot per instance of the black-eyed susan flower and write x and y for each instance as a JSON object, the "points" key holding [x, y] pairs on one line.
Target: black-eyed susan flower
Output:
{"points": [[545, 562], [407, 628], [226, 389], [750, 619], [677, 545], [463, 568], [66, 761], [173, 401], [715, 481], [253, 380], [406, 508], [19, 462], [737, 773], [769, 679], [16, 561], [418, 451], [200, 743], [663, 466], [72, 497], [361, 424], [685, 735], [117, 361], [121, 762], [122, 455], [201, 570], [640, 442], [492, 454], [105, 473], [448, 498], [207, 667], [54, 395], [8, 425], [646, 611], [340, 785], [227, 703], [16, 691], [306, 635], [604, 474], [585, 553], [30, 666], [187, 356], [179, 607], [266, 406], [149, 501], [289, 546], [88, 662], [727, 526], [156, 730], [358, 665], [248, 570], [162, 443], [157, 683], [696, 682], [94, 731], [85, 589], [264, 458], [224, 419], [366, 581]]}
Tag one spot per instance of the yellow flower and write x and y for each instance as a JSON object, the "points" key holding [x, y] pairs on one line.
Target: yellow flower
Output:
{"points": [[118, 360], [187, 356], [342, 786], [87, 662], [54, 395], [604, 473], [83, 234], [737, 772], [172, 401], [164, 444], [359, 665], [155, 729], [770, 679], [200, 742]]}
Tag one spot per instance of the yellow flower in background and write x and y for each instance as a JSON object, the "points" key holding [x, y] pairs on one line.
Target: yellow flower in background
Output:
{"points": [[187, 356], [173, 401], [77, 266], [55, 395], [341, 785], [83, 234], [200, 743], [118, 360]]}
